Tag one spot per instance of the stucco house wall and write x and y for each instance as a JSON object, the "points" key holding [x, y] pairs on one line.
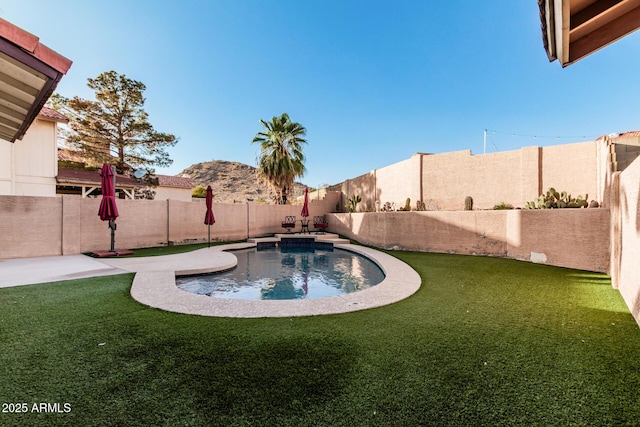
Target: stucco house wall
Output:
{"points": [[28, 167], [173, 188], [172, 193]]}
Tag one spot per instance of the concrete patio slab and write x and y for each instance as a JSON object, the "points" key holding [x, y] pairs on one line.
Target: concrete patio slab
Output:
{"points": [[207, 260], [29, 271]]}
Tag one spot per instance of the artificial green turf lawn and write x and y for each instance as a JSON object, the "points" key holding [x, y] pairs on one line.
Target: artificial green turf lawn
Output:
{"points": [[484, 342]]}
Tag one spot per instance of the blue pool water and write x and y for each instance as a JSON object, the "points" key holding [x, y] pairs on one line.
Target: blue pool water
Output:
{"points": [[287, 273]]}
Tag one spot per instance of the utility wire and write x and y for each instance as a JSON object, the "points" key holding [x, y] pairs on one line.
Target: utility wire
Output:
{"points": [[539, 136], [492, 142]]}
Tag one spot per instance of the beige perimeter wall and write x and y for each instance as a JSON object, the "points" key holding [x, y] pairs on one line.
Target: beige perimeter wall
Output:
{"points": [[574, 238], [443, 181], [625, 235], [46, 226]]}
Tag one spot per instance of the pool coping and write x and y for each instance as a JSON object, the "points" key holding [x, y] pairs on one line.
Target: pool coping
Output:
{"points": [[154, 285]]}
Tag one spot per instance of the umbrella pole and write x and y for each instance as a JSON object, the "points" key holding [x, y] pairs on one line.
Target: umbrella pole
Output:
{"points": [[209, 234], [112, 226]]}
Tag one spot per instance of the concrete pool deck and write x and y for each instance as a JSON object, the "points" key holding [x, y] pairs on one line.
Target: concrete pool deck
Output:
{"points": [[154, 283], [31, 271]]}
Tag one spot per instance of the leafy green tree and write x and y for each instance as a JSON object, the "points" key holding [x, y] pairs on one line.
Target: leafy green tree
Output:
{"points": [[281, 159], [115, 125]]}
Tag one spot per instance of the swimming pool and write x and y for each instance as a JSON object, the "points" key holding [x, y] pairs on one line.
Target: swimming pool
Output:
{"points": [[288, 273]]}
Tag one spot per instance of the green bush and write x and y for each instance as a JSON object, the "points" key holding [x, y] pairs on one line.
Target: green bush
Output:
{"points": [[502, 206], [199, 192]]}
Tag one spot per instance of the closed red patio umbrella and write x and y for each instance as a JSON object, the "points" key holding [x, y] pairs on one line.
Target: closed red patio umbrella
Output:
{"points": [[305, 206], [208, 217], [108, 210], [305, 211]]}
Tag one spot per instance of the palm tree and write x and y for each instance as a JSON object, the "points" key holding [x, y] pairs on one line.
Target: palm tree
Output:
{"points": [[281, 160]]}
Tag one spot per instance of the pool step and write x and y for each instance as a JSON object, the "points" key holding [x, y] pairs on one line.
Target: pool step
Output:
{"points": [[328, 238]]}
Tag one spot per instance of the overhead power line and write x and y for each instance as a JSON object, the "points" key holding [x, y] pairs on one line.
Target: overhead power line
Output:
{"points": [[488, 132], [540, 136]]}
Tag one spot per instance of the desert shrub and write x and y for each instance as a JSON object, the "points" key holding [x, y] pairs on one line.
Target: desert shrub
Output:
{"points": [[199, 192]]}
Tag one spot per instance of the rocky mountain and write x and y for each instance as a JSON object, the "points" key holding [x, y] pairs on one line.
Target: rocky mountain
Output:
{"points": [[232, 181]]}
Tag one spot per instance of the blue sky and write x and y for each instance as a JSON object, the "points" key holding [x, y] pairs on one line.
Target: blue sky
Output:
{"points": [[372, 81]]}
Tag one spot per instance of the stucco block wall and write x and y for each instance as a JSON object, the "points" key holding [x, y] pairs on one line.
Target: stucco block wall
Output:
{"points": [[187, 221], [489, 179], [572, 168], [141, 222], [397, 182], [71, 227], [443, 181], [267, 219], [529, 179], [625, 236], [47, 226], [363, 186], [574, 238], [30, 226]]}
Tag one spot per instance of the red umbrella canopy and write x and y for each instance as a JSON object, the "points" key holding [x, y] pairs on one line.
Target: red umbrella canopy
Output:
{"points": [[209, 218], [305, 206], [108, 210]]}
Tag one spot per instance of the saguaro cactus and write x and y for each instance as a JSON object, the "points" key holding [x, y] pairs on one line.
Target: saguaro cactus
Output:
{"points": [[468, 203]]}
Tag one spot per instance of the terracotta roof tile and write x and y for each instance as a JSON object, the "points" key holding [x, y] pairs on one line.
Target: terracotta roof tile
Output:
{"points": [[24, 50], [175, 181], [31, 44], [629, 134], [51, 114], [71, 155]]}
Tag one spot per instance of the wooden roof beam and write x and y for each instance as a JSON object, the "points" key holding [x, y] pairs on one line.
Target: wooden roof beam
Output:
{"points": [[592, 11], [604, 35]]}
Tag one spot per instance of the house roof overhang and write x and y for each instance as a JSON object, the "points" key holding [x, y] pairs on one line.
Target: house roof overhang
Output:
{"points": [[573, 29], [51, 115], [29, 73], [75, 177]]}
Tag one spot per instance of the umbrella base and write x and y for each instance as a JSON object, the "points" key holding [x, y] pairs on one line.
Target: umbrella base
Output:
{"points": [[106, 254]]}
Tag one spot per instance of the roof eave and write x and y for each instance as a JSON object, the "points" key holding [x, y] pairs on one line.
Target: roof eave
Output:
{"points": [[548, 28], [554, 22], [80, 182], [570, 35], [23, 50]]}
